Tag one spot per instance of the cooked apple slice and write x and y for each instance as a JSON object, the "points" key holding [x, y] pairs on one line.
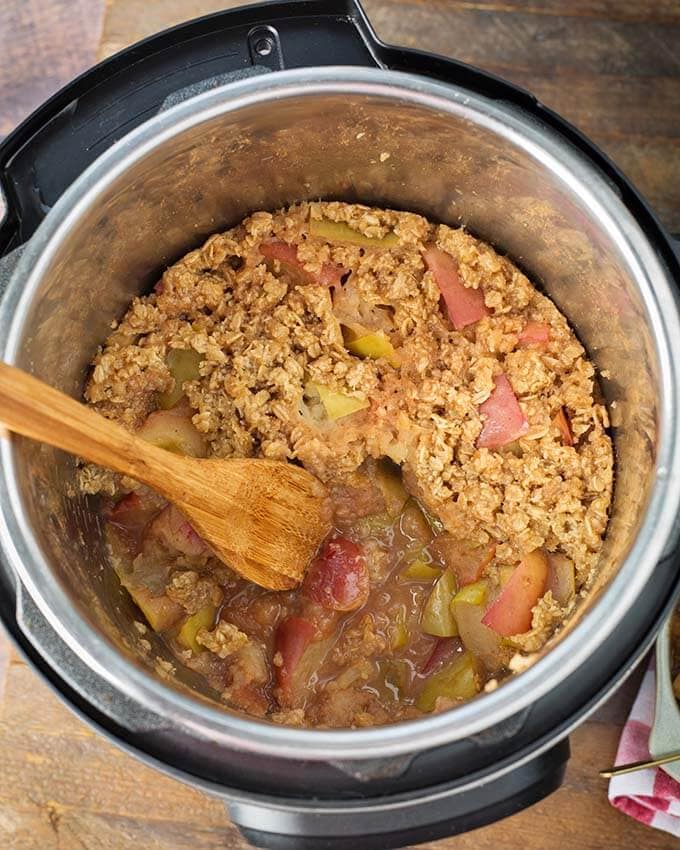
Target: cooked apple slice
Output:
{"points": [[418, 570], [173, 430], [561, 579], [467, 560], [510, 614], [534, 335], [281, 251], [132, 513], [474, 594], [160, 611], [293, 636], [338, 577], [438, 619], [331, 274], [414, 524], [503, 420], [443, 651], [204, 618], [175, 532], [459, 680], [477, 638], [338, 231], [375, 345], [465, 306], [183, 364], [337, 404], [505, 574], [399, 630]]}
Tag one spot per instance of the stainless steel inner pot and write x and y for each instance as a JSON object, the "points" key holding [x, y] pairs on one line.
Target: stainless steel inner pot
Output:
{"points": [[264, 142]]}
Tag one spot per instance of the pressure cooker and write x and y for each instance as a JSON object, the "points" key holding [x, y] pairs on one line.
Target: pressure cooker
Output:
{"points": [[139, 160]]}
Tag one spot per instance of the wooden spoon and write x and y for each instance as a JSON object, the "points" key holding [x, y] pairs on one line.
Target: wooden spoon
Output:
{"points": [[263, 518]]}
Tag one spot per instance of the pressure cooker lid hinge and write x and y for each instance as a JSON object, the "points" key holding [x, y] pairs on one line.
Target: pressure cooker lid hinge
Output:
{"points": [[264, 46], [45, 154]]}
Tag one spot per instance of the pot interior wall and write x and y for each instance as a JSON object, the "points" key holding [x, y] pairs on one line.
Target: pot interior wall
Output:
{"points": [[309, 147]]}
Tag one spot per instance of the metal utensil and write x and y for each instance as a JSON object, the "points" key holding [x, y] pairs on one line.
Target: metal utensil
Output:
{"points": [[665, 731], [638, 765]]}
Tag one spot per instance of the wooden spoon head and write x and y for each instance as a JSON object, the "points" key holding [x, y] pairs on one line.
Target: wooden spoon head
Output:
{"points": [[265, 519]]}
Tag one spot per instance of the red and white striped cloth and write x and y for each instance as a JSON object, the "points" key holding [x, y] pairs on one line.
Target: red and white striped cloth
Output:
{"points": [[650, 796]]}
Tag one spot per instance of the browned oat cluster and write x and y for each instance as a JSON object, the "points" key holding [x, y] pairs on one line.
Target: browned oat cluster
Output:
{"points": [[271, 328]]}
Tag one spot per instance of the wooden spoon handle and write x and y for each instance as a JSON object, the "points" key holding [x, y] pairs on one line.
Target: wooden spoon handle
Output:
{"points": [[32, 408]]}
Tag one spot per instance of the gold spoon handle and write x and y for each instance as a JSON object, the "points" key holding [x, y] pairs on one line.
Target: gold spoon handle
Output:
{"points": [[638, 765]]}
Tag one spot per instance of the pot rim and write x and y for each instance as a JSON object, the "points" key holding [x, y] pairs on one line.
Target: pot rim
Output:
{"points": [[241, 732]]}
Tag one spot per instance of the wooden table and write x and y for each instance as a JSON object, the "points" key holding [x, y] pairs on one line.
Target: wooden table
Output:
{"points": [[610, 66]]}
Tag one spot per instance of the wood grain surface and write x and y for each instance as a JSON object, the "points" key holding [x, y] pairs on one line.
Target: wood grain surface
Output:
{"points": [[610, 66], [64, 787], [43, 43]]}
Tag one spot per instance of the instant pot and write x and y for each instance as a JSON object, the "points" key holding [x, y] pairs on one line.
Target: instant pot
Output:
{"points": [[136, 162]]}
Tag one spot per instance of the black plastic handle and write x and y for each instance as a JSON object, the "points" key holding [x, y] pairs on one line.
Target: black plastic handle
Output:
{"points": [[46, 153], [457, 809]]}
